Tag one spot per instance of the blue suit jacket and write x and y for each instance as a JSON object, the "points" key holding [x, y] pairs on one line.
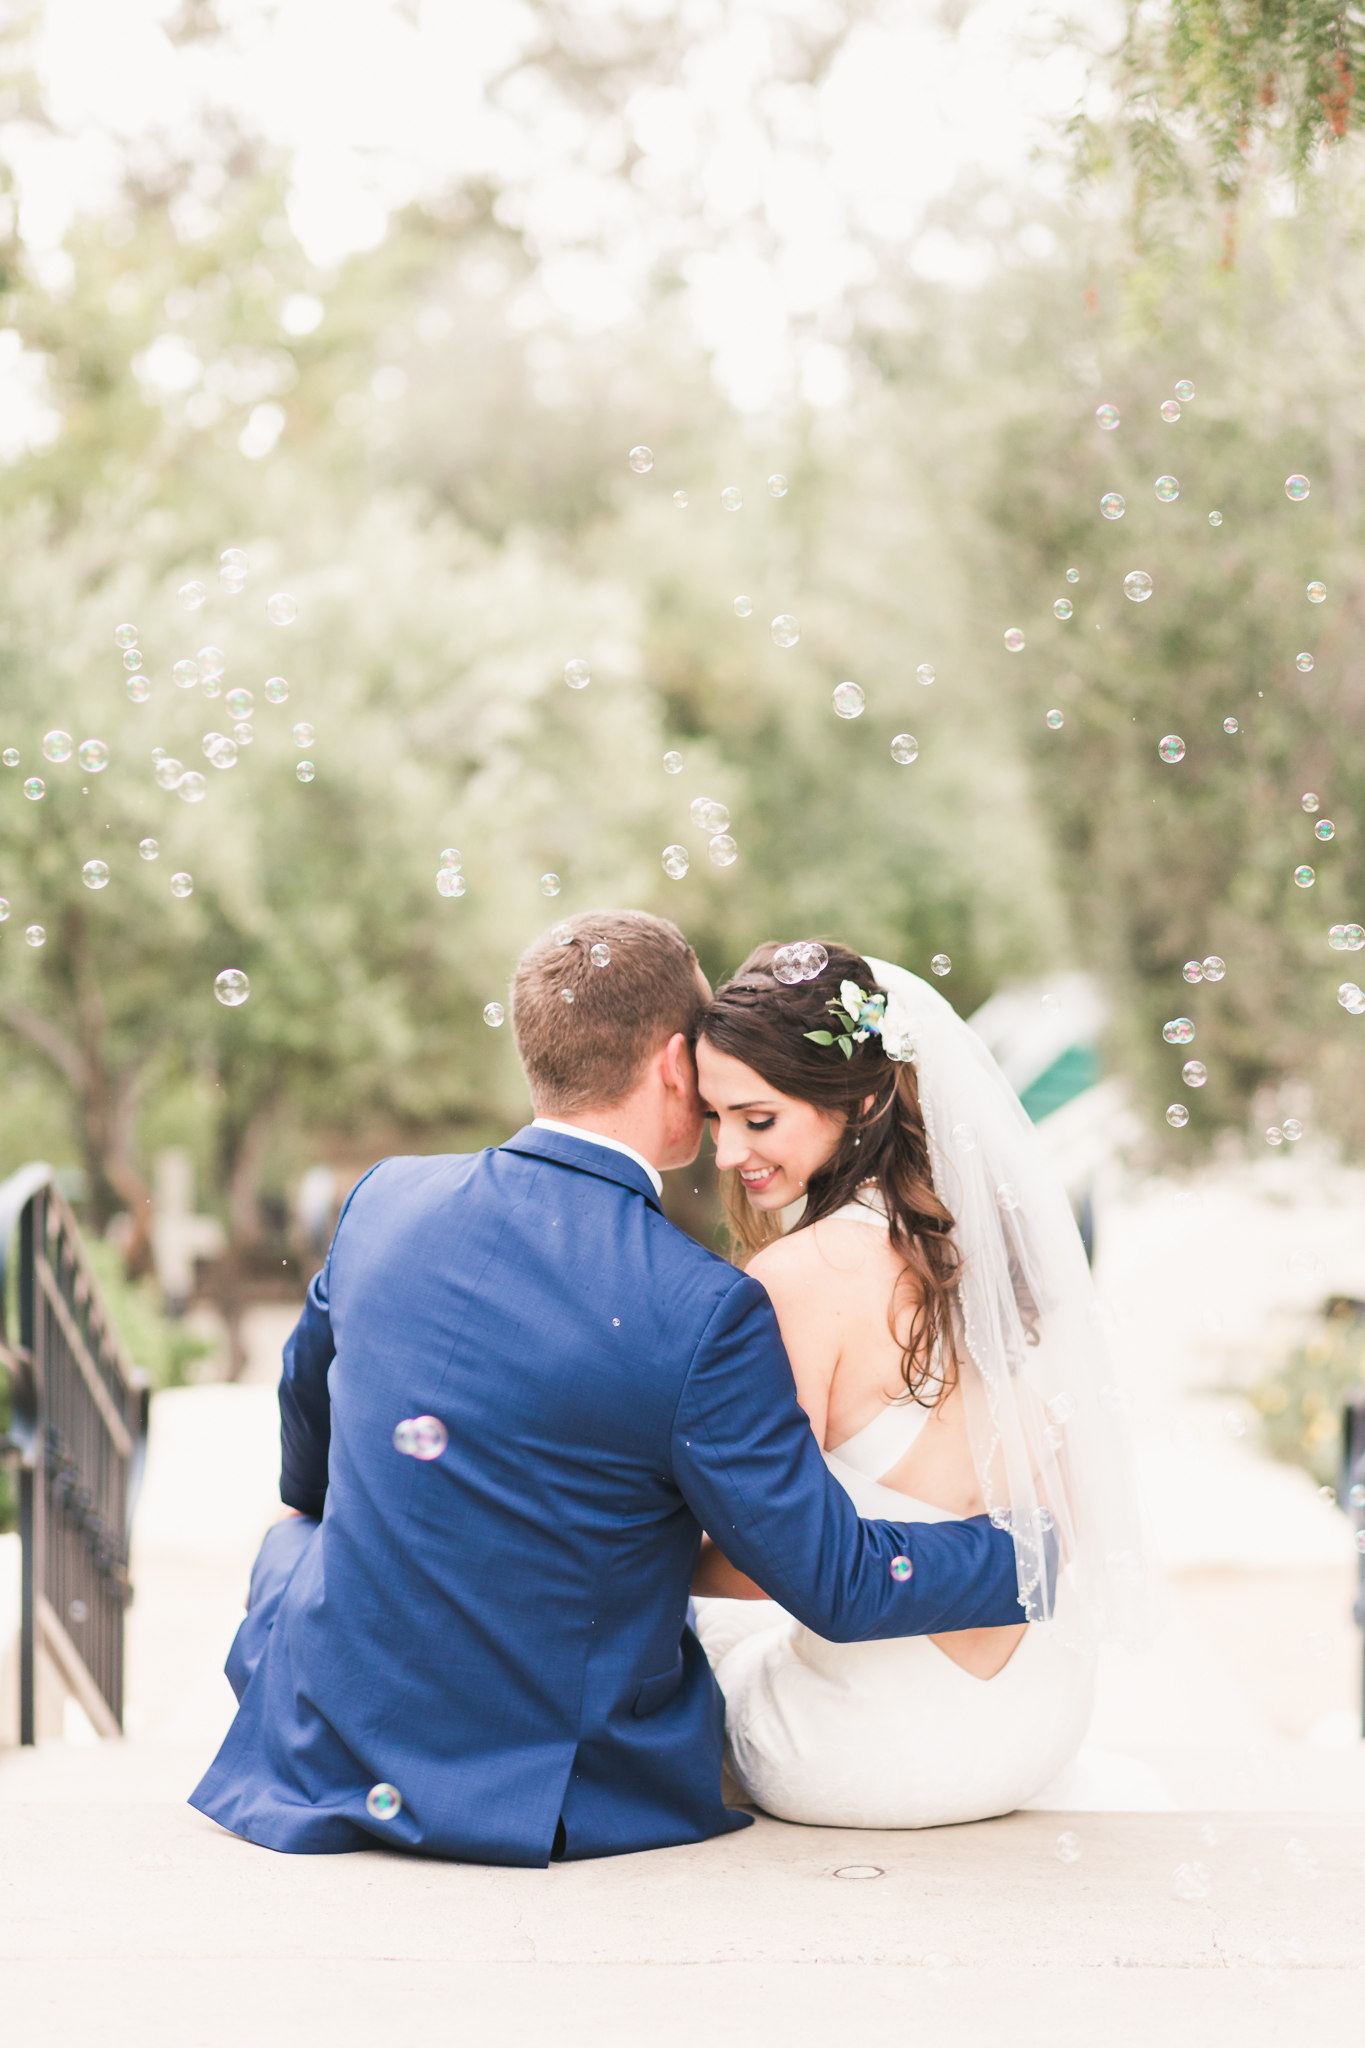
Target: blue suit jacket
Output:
{"points": [[501, 1633]]}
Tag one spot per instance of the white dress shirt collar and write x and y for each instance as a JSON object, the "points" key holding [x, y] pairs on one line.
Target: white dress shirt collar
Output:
{"points": [[549, 1123]]}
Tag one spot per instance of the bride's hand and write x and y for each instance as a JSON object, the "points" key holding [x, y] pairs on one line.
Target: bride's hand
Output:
{"points": [[715, 1578]]}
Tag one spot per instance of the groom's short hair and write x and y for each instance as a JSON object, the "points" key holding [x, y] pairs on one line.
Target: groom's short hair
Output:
{"points": [[587, 1052]]}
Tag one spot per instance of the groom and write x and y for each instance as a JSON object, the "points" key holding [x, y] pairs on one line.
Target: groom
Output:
{"points": [[480, 1650]]}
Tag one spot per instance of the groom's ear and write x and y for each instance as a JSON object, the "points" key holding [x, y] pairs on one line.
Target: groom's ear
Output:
{"points": [[678, 1065]]}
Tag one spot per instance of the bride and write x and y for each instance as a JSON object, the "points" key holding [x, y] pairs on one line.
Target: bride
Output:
{"points": [[936, 1306]]}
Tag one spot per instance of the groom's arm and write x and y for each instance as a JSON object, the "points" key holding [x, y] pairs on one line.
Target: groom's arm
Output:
{"points": [[750, 1469], [305, 1404]]}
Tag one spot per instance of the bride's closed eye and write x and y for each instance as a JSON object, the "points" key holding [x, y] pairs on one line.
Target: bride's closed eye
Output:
{"points": [[765, 1125]]}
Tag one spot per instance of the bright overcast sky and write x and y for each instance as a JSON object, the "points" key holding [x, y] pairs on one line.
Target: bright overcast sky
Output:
{"points": [[378, 100]]}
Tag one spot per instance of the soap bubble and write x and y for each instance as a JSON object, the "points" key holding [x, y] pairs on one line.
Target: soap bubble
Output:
{"points": [[785, 630], [58, 746], [1316, 592], [383, 1802], [149, 848], [1194, 1073], [277, 690], [1014, 640], [1073, 575], [243, 733], [1112, 505], [281, 609], [1274, 1136], [1137, 584], [1230, 725], [743, 607], [494, 1014], [901, 1569], [231, 988], [93, 756], [1170, 411], [566, 994], [211, 686], [905, 748], [1336, 938], [35, 789], [1055, 720], [1296, 487], [192, 595], [940, 965], [1350, 998], [34, 935], [673, 762], [421, 1436], [10, 757], [1172, 747], [95, 874], [707, 815], [450, 857], [234, 559], [777, 485], [223, 753], [577, 674], [1063, 607], [1177, 1116], [676, 863], [212, 662], [1179, 1031], [125, 636], [1309, 802], [305, 771], [192, 788], [1184, 389], [132, 658], [964, 1137], [723, 850], [185, 674], [240, 703], [1360, 1533], [138, 688], [600, 955], [1191, 1881], [550, 885], [1355, 937], [168, 772], [1215, 519], [1304, 663], [1068, 1847], [1304, 878], [1324, 829], [1357, 1496], [925, 673], [849, 700], [304, 735], [1193, 970], [182, 885], [1167, 488], [1108, 417], [732, 498], [1292, 1129], [801, 962], [641, 460], [450, 882], [680, 500]]}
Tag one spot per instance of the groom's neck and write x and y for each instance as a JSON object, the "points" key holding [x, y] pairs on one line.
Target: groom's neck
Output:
{"points": [[639, 1130]]}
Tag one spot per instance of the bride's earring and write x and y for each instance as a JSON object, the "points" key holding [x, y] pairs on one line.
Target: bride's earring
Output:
{"points": [[858, 1140]]}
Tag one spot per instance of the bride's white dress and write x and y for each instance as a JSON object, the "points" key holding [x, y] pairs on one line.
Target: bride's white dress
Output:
{"points": [[890, 1734]]}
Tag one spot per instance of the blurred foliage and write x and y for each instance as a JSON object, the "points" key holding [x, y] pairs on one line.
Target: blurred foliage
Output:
{"points": [[1300, 1406], [164, 1349]]}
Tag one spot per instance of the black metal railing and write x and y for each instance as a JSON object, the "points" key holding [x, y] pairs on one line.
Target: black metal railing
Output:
{"points": [[78, 1431]]}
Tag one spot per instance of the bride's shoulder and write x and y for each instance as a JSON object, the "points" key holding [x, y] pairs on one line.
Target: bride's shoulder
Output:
{"points": [[812, 1253]]}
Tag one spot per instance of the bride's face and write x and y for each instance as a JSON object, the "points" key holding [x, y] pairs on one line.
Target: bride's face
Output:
{"points": [[775, 1142]]}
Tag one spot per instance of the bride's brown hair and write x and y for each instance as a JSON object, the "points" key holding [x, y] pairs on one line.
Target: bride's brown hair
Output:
{"points": [[762, 1021]]}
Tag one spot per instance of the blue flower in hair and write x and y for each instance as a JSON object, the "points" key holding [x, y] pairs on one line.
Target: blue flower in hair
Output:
{"points": [[859, 1016]]}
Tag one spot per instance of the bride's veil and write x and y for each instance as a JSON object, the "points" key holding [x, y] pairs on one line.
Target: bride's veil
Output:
{"points": [[1043, 1410]]}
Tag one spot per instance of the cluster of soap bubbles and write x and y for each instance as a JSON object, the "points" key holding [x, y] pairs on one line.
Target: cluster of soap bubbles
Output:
{"points": [[1213, 968], [1346, 938], [421, 1436], [1351, 998], [1292, 1129], [800, 962], [449, 880], [675, 862], [1179, 1031]]}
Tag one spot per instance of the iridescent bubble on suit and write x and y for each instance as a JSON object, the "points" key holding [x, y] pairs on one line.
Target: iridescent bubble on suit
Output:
{"points": [[1063, 607], [182, 885], [1171, 747], [1317, 592], [95, 874], [673, 761], [1185, 390], [744, 607], [1073, 575], [1304, 878], [1215, 519], [132, 658], [1230, 725], [577, 674], [305, 771], [1194, 1073], [785, 630], [901, 1570], [1193, 970], [277, 690], [1170, 411], [1309, 802], [1068, 1847], [641, 460], [58, 745], [421, 1436], [549, 885], [1324, 829], [494, 1014], [1055, 720], [240, 703], [680, 500], [34, 935], [940, 965], [185, 674], [192, 595], [849, 700], [1292, 1129], [125, 636], [383, 1802], [732, 498], [707, 815], [1296, 487], [304, 734], [168, 772], [138, 689], [281, 609], [675, 862], [1108, 417], [722, 851], [905, 748], [10, 757], [231, 987], [1167, 489], [93, 756], [777, 485], [35, 789], [1137, 584], [450, 882], [600, 954], [925, 673], [149, 848], [192, 788], [1177, 1116], [1179, 1031], [1014, 640]]}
